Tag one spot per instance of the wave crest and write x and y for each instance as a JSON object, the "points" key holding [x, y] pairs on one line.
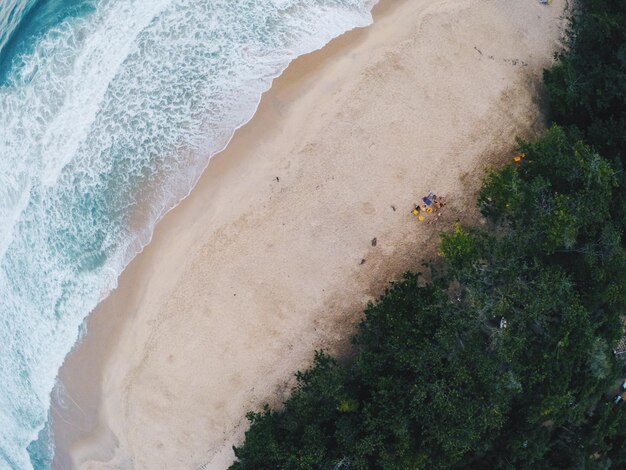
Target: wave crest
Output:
{"points": [[105, 125]]}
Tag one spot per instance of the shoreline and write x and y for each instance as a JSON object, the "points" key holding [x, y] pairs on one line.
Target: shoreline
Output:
{"points": [[289, 252]]}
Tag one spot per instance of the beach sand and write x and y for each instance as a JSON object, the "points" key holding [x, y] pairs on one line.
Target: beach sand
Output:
{"points": [[271, 256]]}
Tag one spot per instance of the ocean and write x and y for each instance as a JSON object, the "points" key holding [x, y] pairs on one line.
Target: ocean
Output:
{"points": [[109, 112]]}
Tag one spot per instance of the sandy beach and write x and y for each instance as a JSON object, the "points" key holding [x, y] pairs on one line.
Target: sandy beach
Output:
{"points": [[272, 254]]}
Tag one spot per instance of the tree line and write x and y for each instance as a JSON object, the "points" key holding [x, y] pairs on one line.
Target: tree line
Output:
{"points": [[504, 357]]}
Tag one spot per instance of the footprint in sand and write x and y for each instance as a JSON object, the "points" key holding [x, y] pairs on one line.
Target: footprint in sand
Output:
{"points": [[368, 208]]}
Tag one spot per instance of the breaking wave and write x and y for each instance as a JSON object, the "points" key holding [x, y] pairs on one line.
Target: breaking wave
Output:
{"points": [[109, 112]]}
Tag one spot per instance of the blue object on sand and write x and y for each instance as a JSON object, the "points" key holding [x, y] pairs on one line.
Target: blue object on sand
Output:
{"points": [[428, 199]]}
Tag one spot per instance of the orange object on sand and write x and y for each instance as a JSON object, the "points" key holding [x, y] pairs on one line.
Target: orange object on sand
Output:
{"points": [[518, 158]]}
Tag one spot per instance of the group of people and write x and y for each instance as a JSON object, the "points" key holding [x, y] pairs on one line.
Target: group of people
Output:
{"points": [[430, 203]]}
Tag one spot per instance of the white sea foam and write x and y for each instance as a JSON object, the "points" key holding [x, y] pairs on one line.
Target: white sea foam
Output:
{"points": [[106, 125], [11, 11]]}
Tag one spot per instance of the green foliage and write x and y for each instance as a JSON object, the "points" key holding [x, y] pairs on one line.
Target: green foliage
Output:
{"points": [[504, 358], [560, 191], [459, 248], [587, 88]]}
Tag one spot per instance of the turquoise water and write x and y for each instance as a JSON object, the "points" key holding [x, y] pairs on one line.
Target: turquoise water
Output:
{"points": [[109, 111]]}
